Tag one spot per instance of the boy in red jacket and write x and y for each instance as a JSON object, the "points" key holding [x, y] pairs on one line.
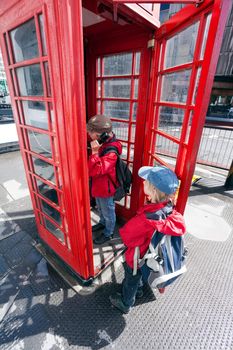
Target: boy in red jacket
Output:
{"points": [[158, 214], [102, 170]]}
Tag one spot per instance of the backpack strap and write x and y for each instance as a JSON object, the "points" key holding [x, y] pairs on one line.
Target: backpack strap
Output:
{"points": [[109, 150], [152, 251]]}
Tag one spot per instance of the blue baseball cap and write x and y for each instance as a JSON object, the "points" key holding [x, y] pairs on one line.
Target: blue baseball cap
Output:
{"points": [[161, 177]]}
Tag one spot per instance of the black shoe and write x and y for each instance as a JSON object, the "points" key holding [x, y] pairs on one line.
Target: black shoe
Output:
{"points": [[97, 227], [139, 293], [102, 239], [118, 303]]}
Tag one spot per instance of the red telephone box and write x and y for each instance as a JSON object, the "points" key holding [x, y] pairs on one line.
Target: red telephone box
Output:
{"points": [[68, 60]]}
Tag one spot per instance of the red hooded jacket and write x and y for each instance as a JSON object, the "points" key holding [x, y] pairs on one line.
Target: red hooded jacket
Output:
{"points": [[102, 169], [138, 231]]}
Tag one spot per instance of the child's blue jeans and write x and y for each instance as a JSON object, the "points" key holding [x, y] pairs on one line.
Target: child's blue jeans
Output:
{"points": [[130, 286], [106, 207]]}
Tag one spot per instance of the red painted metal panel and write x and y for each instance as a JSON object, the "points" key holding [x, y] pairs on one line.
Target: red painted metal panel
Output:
{"points": [[135, 40]]}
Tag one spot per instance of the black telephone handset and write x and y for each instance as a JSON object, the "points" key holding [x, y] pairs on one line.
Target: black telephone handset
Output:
{"points": [[103, 137]]}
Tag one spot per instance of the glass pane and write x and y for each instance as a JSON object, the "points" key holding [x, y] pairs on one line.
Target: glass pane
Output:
{"points": [[40, 143], [47, 191], [135, 95], [166, 147], [30, 80], [121, 130], [118, 64], [137, 65], [117, 109], [35, 114], [131, 154], [196, 85], [42, 32], [207, 26], [117, 88], [180, 48], [44, 169], [99, 107], [135, 108], [54, 230], [52, 117], [50, 211], [47, 77], [98, 67], [175, 86], [99, 89], [124, 150], [171, 120], [24, 42], [133, 131]]}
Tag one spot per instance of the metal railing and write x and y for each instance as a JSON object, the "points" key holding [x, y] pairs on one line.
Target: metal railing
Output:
{"points": [[216, 148]]}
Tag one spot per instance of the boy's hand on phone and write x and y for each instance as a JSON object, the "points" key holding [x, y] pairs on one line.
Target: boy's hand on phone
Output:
{"points": [[95, 146]]}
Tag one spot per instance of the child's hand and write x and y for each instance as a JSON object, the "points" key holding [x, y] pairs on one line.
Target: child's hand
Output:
{"points": [[95, 146]]}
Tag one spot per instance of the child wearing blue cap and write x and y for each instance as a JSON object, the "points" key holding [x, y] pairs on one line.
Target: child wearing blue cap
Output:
{"points": [[158, 214]]}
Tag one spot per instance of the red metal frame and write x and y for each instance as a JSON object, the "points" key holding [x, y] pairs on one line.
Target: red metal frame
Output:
{"points": [[134, 41], [188, 146]]}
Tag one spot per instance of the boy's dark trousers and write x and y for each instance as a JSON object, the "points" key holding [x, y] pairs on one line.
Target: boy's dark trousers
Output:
{"points": [[130, 285]]}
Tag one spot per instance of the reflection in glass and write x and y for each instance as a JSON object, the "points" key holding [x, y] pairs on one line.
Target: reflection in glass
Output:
{"points": [[35, 114], [40, 143], [47, 191], [118, 64], [133, 132], [135, 95], [117, 109], [30, 80], [121, 130], [175, 86], [99, 107], [207, 26], [165, 146], [135, 108], [180, 48], [52, 117], [98, 67], [137, 65], [44, 169], [99, 89], [24, 42], [131, 153], [50, 211], [196, 85], [124, 150], [170, 117], [54, 230], [42, 32], [117, 88], [47, 77]]}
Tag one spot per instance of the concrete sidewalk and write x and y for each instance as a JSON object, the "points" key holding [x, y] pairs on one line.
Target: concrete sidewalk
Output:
{"points": [[40, 312]]}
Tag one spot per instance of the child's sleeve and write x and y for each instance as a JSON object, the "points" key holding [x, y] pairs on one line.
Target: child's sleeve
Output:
{"points": [[101, 165]]}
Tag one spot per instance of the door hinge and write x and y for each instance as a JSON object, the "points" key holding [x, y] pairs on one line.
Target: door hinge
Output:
{"points": [[151, 43]]}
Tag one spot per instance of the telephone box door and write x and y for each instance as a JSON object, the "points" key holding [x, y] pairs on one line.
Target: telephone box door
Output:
{"points": [[185, 57], [49, 108]]}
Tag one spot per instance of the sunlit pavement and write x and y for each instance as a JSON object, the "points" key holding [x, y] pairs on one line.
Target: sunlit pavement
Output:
{"points": [[40, 312]]}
